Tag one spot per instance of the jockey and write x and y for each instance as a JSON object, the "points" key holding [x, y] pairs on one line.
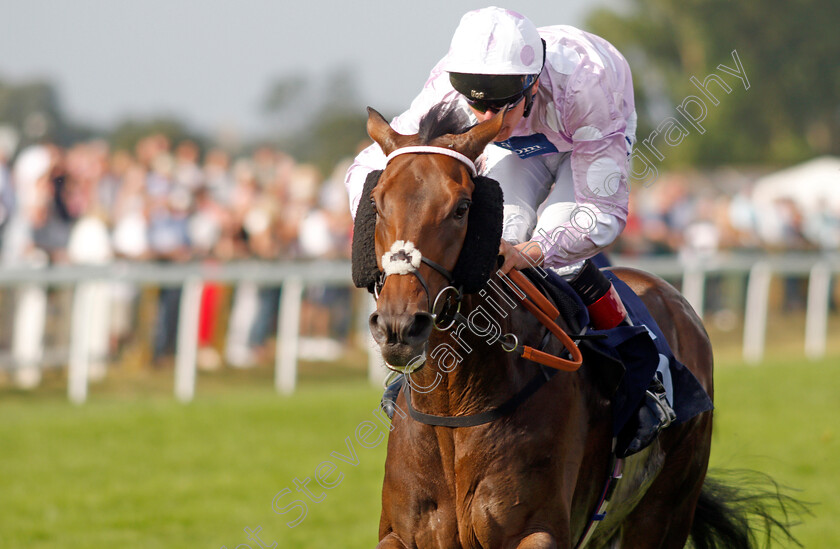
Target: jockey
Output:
{"points": [[561, 156]]}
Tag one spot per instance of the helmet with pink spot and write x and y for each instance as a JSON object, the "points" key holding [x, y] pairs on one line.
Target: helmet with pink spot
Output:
{"points": [[495, 41], [495, 56]]}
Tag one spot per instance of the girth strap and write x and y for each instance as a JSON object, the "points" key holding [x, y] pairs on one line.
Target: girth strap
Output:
{"points": [[484, 417]]}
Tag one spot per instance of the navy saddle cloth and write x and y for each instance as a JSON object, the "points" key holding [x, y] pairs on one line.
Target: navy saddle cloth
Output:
{"points": [[640, 349]]}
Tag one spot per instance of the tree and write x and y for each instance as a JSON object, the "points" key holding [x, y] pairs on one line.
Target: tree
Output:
{"points": [[128, 133], [34, 110], [789, 51], [319, 122]]}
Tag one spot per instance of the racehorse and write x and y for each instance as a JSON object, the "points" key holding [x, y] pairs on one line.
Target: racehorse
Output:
{"points": [[533, 475]]}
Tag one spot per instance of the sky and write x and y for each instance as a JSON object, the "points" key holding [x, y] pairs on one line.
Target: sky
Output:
{"points": [[211, 62]]}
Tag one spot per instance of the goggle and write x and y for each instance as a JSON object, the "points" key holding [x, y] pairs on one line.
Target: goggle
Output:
{"points": [[495, 105]]}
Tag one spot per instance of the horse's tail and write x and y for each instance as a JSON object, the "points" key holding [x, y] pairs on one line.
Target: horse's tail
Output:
{"points": [[742, 509]]}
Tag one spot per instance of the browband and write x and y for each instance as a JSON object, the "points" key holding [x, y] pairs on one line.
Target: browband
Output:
{"points": [[435, 150]]}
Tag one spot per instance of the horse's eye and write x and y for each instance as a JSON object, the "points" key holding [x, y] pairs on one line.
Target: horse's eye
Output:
{"points": [[373, 205], [461, 210]]}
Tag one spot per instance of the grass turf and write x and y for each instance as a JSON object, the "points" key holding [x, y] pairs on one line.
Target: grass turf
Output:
{"points": [[141, 470]]}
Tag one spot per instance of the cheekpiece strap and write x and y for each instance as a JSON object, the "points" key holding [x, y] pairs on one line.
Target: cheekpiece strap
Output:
{"points": [[435, 150]]}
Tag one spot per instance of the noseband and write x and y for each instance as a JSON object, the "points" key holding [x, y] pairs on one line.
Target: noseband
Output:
{"points": [[405, 258]]}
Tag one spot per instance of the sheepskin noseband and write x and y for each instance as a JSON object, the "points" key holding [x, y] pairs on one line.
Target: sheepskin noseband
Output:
{"points": [[403, 258]]}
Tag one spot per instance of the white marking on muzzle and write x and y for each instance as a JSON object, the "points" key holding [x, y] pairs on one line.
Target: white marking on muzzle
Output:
{"points": [[403, 258]]}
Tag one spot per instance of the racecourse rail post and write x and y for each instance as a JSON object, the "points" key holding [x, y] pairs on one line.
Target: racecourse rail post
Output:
{"points": [[187, 343], [78, 364], [694, 285], [816, 319], [288, 331], [755, 312]]}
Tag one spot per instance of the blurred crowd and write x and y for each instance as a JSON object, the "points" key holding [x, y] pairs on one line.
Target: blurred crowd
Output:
{"points": [[166, 203], [696, 215], [171, 202], [88, 204]]}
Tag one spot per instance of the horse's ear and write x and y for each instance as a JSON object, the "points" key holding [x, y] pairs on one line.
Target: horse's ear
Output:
{"points": [[472, 143], [380, 131]]}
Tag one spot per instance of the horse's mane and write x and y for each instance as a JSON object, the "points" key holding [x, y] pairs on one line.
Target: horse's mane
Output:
{"points": [[442, 119]]}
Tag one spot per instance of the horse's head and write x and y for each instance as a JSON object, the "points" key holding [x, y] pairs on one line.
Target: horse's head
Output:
{"points": [[423, 204]]}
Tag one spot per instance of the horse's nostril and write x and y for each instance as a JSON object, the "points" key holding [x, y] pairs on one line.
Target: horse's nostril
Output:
{"points": [[405, 329], [378, 328], [419, 329]]}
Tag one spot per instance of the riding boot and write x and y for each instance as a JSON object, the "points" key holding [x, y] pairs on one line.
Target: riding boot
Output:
{"points": [[393, 384], [606, 311], [654, 414]]}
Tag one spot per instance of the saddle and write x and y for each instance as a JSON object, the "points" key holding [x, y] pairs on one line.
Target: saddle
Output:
{"points": [[624, 360]]}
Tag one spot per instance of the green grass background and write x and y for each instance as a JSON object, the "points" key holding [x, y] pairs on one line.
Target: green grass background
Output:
{"points": [[133, 468]]}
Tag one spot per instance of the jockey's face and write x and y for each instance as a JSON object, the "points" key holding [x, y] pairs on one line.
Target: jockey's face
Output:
{"points": [[512, 117]]}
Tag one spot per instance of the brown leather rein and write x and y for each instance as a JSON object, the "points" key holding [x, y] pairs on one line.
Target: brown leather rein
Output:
{"points": [[539, 306]]}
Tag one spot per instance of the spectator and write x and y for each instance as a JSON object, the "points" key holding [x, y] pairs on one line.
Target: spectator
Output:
{"points": [[89, 244], [792, 237], [187, 172], [7, 196], [238, 352], [34, 192], [168, 214], [217, 176]]}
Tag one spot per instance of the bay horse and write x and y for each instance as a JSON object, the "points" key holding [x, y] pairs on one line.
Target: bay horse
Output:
{"points": [[532, 477]]}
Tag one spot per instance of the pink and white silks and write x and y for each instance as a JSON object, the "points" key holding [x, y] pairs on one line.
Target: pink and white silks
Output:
{"points": [[564, 170]]}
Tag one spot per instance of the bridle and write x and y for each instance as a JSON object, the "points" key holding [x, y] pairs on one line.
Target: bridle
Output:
{"points": [[404, 258], [451, 295], [429, 149], [446, 317]]}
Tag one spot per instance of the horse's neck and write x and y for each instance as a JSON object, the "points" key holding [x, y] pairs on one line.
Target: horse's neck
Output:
{"points": [[467, 371]]}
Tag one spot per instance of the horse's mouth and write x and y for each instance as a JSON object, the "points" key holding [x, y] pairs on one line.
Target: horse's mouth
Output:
{"points": [[402, 358]]}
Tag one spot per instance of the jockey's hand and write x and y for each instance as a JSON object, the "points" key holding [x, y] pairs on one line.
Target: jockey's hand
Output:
{"points": [[521, 256]]}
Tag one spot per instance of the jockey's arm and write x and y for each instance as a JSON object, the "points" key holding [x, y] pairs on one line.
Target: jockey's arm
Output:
{"points": [[569, 232], [600, 212], [595, 114]]}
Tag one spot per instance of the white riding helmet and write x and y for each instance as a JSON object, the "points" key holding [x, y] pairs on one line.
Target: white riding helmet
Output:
{"points": [[495, 58], [495, 41]]}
